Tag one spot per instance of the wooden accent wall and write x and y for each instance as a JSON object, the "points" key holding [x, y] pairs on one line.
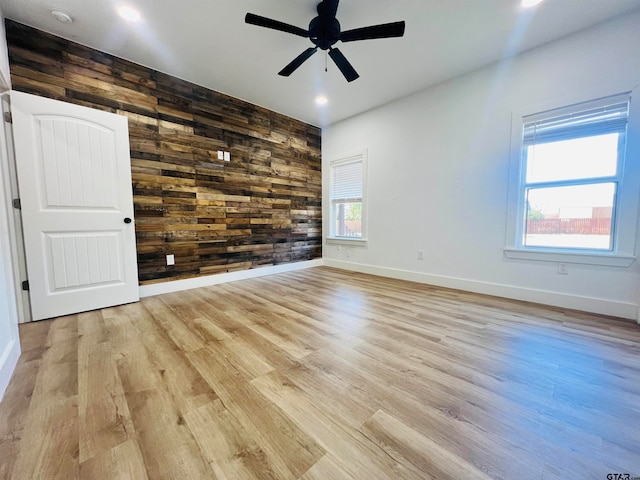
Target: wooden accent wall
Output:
{"points": [[261, 208]]}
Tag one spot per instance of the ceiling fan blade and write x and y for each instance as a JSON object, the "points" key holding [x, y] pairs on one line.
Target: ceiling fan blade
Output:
{"points": [[260, 21], [343, 64], [386, 30], [299, 60]]}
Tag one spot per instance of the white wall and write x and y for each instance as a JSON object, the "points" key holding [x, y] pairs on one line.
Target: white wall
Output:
{"points": [[439, 165], [9, 342]]}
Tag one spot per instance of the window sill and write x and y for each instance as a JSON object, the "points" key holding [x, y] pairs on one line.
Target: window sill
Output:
{"points": [[346, 241], [586, 258]]}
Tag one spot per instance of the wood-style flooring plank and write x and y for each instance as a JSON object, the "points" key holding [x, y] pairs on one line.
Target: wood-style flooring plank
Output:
{"points": [[105, 421], [123, 461], [228, 446], [13, 413], [326, 467], [167, 445], [407, 446], [187, 388], [17, 397], [289, 448], [354, 453], [50, 441]]}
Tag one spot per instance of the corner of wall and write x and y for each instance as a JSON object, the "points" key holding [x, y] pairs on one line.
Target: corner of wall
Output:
{"points": [[8, 362]]}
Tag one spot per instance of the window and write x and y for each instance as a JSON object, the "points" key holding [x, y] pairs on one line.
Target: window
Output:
{"points": [[572, 165], [572, 174], [347, 197]]}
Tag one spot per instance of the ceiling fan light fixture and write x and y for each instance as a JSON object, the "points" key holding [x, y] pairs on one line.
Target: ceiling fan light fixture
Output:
{"points": [[61, 16], [129, 13], [530, 3]]}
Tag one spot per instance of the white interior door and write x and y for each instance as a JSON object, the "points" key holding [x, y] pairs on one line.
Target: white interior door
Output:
{"points": [[74, 177]]}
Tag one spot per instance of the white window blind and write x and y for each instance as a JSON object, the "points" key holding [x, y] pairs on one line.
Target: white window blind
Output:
{"points": [[346, 182], [602, 120]]}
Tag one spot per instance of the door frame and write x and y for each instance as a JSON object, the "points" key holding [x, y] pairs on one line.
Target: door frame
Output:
{"points": [[18, 256]]}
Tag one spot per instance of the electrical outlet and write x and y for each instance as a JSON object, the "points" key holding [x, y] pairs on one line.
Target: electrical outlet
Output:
{"points": [[171, 259], [420, 254], [348, 253], [563, 268]]}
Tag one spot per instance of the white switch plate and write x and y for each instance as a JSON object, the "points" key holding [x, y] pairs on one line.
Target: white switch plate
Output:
{"points": [[227, 156], [220, 155], [171, 259]]}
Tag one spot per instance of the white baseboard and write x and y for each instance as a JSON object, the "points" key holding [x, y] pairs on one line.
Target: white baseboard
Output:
{"points": [[563, 300], [8, 362], [197, 282], [545, 297]]}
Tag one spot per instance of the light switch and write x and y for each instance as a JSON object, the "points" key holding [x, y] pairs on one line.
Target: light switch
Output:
{"points": [[220, 155], [171, 259], [227, 156]]}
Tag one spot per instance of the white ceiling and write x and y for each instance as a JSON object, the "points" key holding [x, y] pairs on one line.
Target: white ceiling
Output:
{"points": [[208, 43]]}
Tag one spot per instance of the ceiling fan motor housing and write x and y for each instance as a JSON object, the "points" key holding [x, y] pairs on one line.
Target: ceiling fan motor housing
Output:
{"points": [[324, 32]]}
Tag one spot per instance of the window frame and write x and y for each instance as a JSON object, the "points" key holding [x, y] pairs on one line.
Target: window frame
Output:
{"points": [[344, 159], [625, 209]]}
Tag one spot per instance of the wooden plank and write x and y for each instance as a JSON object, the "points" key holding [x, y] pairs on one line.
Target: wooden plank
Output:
{"points": [[52, 418], [13, 415], [186, 386], [122, 461], [230, 449], [357, 456], [326, 467], [167, 446], [290, 450], [410, 447], [105, 421], [163, 314]]}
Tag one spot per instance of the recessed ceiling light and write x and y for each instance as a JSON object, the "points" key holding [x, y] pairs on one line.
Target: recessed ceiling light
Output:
{"points": [[530, 3], [62, 16], [129, 13], [321, 100]]}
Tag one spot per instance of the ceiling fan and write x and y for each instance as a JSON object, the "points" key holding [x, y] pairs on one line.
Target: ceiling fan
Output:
{"points": [[324, 31]]}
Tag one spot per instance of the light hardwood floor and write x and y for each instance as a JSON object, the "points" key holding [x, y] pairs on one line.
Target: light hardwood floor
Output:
{"points": [[324, 374]]}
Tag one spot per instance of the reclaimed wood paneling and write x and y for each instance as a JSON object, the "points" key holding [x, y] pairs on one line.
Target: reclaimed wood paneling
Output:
{"points": [[261, 208]]}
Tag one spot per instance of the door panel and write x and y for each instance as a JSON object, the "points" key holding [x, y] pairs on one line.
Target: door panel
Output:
{"points": [[75, 163], [74, 176], [77, 260]]}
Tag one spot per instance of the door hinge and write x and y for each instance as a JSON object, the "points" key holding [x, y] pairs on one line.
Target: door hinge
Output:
{"points": [[25, 285], [8, 117], [17, 204]]}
